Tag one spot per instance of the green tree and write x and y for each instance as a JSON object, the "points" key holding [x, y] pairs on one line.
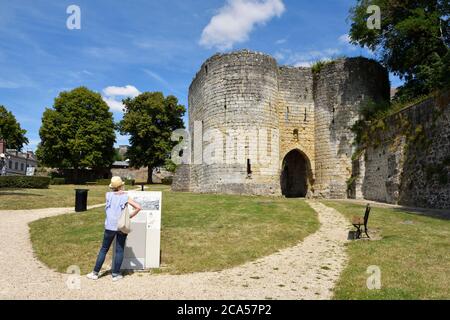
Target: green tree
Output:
{"points": [[78, 132], [10, 130], [413, 41], [170, 166], [149, 120]]}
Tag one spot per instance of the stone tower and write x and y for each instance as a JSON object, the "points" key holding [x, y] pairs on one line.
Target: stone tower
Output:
{"points": [[275, 130]]}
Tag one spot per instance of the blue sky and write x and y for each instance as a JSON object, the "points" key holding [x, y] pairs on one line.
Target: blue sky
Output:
{"points": [[127, 47]]}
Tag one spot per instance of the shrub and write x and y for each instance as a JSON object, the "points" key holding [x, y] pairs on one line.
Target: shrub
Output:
{"points": [[129, 182], [106, 182], [170, 166], [31, 182], [319, 65], [167, 180], [55, 174], [57, 181], [102, 182]]}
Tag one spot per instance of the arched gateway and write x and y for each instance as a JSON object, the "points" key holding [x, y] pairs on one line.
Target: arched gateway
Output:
{"points": [[294, 175]]}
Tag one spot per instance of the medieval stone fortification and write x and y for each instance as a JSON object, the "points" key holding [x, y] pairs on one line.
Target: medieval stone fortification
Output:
{"points": [[301, 119], [407, 161], [276, 130]]}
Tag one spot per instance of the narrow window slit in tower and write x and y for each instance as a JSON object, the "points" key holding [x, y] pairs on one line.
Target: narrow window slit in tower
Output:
{"points": [[206, 69], [332, 121], [249, 168], [225, 108], [305, 115]]}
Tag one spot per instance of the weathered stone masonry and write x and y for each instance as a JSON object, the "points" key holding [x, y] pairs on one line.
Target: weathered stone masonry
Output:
{"points": [[408, 162], [341, 88], [312, 114]]}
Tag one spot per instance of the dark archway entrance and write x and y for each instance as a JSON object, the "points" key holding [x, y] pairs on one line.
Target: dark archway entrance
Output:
{"points": [[294, 175]]}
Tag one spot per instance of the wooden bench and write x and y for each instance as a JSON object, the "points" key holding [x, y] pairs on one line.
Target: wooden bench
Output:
{"points": [[358, 222]]}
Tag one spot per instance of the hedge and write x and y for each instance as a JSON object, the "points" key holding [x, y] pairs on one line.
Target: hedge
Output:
{"points": [[30, 182], [167, 180], [106, 182], [57, 181]]}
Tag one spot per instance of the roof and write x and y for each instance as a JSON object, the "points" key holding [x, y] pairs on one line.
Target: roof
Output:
{"points": [[22, 155], [121, 164]]}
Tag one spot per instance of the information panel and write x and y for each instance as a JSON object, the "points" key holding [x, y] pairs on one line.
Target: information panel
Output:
{"points": [[142, 250]]}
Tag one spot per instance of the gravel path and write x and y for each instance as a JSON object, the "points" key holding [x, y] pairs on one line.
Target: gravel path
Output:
{"points": [[308, 270]]}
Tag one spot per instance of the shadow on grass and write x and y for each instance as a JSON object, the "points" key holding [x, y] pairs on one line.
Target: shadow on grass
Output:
{"points": [[431, 213], [441, 214]]}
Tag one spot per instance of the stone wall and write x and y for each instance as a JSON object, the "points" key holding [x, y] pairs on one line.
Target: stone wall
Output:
{"points": [[340, 88], [234, 96], [409, 161], [141, 174], [312, 114], [130, 173], [296, 116], [182, 180]]}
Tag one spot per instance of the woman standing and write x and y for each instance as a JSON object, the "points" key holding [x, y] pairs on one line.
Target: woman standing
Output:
{"points": [[115, 203]]}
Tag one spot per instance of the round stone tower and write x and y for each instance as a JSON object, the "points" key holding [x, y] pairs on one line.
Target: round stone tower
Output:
{"points": [[341, 87], [232, 100]]}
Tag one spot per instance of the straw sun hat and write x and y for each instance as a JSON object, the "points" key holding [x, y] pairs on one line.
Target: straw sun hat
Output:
{"points": [[116, 183]]}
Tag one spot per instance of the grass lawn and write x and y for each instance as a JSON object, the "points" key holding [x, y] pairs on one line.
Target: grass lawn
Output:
{"points": [[199, 232], [413, 255], [55, 196]]}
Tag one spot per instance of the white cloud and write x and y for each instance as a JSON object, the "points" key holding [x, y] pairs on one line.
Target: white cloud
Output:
{"points": [[236, 20], [345, 39], [32, 144], [281, 41], [305, 59], [114, 104], [112, 93], [304, 64], [127, 91]]}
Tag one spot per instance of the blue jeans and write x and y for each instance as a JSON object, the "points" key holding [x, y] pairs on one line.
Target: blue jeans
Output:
{"points": [[120, 246]]}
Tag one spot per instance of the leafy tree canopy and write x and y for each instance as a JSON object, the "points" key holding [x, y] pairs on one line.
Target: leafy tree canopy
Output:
{"points": [[149, 120], [10, 130], [413, 41], [78, 132]]}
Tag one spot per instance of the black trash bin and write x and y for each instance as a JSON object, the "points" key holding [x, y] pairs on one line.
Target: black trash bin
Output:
{"points": [[81, 196]]}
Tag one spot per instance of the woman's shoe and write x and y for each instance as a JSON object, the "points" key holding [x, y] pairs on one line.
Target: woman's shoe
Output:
{"points": [[92, 276], [117, 278]]}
